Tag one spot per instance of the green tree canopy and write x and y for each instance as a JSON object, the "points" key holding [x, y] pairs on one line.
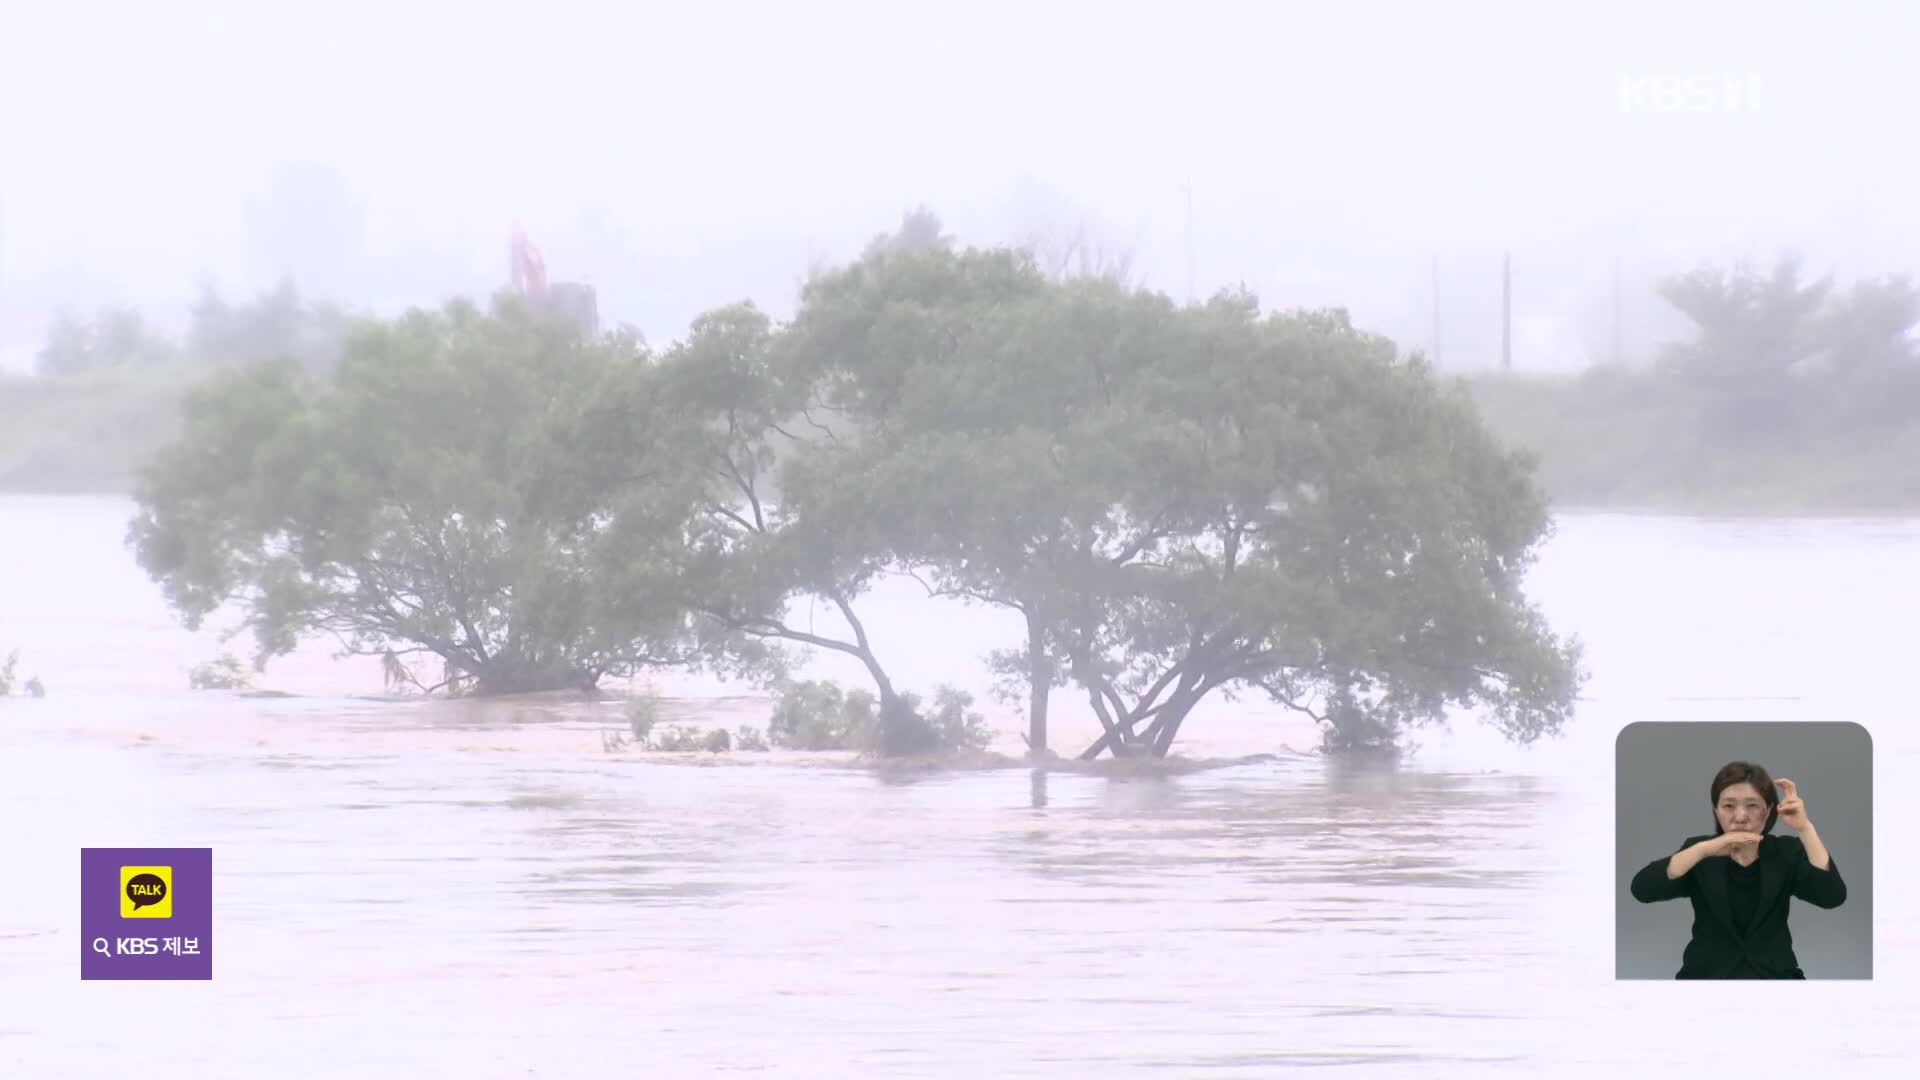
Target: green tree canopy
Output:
{"points": [[1180, 500], [433, 495], [277, 323], [116, 338]]}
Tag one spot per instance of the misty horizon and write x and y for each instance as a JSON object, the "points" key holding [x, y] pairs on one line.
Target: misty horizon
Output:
{"points": [[1333, 155]]}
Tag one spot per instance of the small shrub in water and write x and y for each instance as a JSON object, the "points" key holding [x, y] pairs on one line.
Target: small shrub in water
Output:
{"points": [[642, 714], [678, 739], [821, 716], [226, 673], [818, 715], [33, 686]]}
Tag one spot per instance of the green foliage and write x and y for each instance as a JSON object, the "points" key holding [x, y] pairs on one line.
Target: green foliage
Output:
{"points": [[821, 715], [226, 673], [920, 231], [110, 390], [1351, 728], [952, 724], [1180, 500], [438, 493], [85, 433], [642, 714], [278, 324], [8, 676], [682, 739], [1790, 396], [1185, 499], [116, 338]]}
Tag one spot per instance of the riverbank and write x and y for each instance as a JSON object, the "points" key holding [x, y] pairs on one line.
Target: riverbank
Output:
{"points": [[1606, 442], [1638, 442], [85, 434]]}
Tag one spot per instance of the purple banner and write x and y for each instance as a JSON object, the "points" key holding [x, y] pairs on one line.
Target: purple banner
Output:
{"points": [[146, 913]]}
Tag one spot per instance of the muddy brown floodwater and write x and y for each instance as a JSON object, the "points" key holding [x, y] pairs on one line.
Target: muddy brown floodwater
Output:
{"points": [[408, 888]]}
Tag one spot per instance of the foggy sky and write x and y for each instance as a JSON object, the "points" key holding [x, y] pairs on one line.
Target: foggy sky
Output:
{"points": [[680, 156]]}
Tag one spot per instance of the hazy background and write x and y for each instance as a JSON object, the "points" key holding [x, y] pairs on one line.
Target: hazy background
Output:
{"points": [[679, 156]]}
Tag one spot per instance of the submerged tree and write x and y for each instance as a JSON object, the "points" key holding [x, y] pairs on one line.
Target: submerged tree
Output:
{"points": [[769, 530], [961, 407], [1301, 513], [434, 495], [1180, 501]]}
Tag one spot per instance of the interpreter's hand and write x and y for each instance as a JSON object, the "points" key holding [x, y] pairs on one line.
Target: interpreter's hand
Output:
{"points": [[1734, 843], [1793, 809]]}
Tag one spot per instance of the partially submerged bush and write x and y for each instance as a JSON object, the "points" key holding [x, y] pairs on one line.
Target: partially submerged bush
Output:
{"points": [[33, 686], [643, 716], [1352, 729], [226, 673], [819, 715], [680, 739], [954, 725]]}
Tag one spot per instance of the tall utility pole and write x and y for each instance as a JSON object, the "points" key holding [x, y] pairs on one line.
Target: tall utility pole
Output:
{"points": [[1617, 320], [1506, 312], [1189, 191], [1436, 311]]}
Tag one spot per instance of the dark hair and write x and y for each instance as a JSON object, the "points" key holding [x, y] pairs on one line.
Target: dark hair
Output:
{"points": [[1746, 772]]}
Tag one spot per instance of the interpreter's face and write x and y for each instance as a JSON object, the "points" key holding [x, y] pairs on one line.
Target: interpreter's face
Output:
{"points": [[1741, 809]]}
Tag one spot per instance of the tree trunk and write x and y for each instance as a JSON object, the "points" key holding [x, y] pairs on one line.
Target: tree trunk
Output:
{"points": [[1118, 739], [1040, 685], [1167, 725], [902, 731], [1157, 740], [511, 673], [1114, 729]]}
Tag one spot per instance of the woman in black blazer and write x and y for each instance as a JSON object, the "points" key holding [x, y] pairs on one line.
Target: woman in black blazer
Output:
{"points": [[1740, 879]]}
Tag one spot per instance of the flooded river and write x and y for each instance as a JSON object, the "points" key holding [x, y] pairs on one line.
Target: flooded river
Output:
{"points": [[406, 888]]}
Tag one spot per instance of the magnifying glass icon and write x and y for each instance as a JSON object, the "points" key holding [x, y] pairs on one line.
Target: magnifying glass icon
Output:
{"points": [[100, 946]]}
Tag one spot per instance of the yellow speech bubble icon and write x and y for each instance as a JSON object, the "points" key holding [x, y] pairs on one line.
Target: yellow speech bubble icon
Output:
{"points": [[146, 892]]}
